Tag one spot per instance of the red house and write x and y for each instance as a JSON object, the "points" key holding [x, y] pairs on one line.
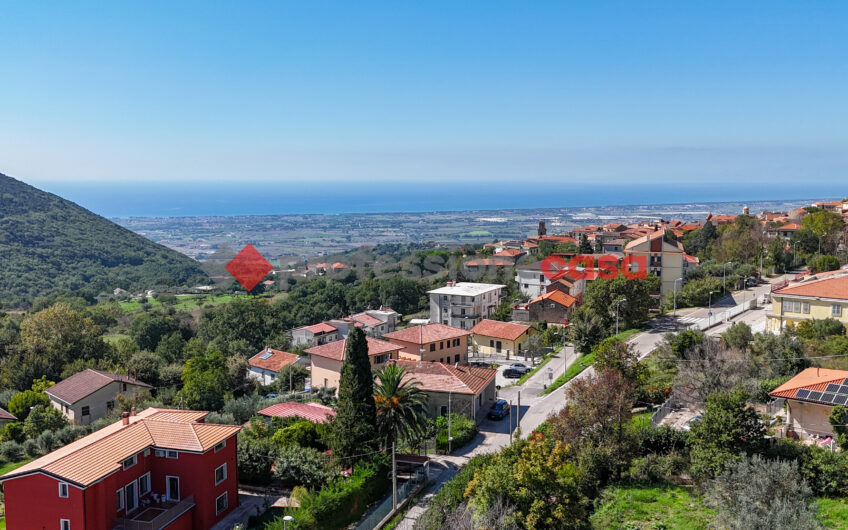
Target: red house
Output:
{"points": [[157, 469]]}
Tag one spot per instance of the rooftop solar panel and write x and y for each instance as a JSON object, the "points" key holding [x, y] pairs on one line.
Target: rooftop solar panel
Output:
{"points": [[815, 396], [840, 399], [827, 397], [803, 393], [845, 382], [832, 388], [266, 355], [842, 390]]}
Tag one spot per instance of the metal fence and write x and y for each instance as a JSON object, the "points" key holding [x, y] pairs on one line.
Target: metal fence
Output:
{"points": [[384, 509], [659, 415], [723, 316]]}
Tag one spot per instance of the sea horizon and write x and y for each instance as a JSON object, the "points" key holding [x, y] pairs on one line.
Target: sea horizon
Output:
{"points": [[192, 199]]}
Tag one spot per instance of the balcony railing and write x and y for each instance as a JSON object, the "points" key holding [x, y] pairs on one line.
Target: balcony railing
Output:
{"points": [[169, 512]]}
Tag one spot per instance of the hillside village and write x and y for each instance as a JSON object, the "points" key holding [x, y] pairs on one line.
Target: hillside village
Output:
{"points": [[495, 393]]}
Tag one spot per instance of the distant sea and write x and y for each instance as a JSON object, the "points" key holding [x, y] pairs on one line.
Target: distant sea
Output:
{"points": [[195, 199]]}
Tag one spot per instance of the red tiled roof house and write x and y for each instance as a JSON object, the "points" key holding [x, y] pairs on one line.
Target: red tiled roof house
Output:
{"points": [[467, 390], [158, 469], [266, 365], [492, 337], [315, 335], [314, 412], [89, 395], [431, 342], [810, 396], [326, 360]]}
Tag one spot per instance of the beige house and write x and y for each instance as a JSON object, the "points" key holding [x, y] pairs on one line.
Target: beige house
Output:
{"points": [[810, 396], [467, 390], [491, 337], [664, 257], [432, 342], [327, 360], [825, 296], [89, 395]]}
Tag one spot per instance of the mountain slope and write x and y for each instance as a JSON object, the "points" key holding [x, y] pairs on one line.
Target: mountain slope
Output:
{"points": [[50, 244]]}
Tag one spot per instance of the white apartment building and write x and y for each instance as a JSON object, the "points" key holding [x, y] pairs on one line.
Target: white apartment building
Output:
{"points": [[464, 304]]}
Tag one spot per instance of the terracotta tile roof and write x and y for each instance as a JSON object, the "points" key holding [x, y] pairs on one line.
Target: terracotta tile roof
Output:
{"points": [[427, 333], [560, 239], [501, 330], [6, 415], [85, 383], [557, 296], [314, 412], [273, 360], [322, 327], [336, 350], [87, 460], [509, 253], [366, 319], [790, 226], [439, 377], [339, 265], [487, 262], [690, 258], [829, 287], [815, 381]]}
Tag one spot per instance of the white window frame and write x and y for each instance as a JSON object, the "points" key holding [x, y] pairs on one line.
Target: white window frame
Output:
{"points": [[173, 455], [836, 310], [159, 453], [134, 485], [133, 459], [220, 445], [119, 498], [140, 492], [215, 474], [168, 488], [64, 524], [226, 503], [787, 306], [805, 308], [67, 490]]}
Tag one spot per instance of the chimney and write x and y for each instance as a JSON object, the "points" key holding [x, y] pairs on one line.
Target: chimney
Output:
{"points": [[125, 418], [133, 411]]}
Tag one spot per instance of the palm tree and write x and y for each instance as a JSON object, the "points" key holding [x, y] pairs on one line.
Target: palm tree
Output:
{"points": [[401, 405]]}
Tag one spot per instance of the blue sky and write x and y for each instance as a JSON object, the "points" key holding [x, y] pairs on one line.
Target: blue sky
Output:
{"points": [[612, 92]]}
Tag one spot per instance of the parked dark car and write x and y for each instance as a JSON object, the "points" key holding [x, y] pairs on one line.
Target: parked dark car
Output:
{"points": [[499, 410], [520, 367], [512, 373]]}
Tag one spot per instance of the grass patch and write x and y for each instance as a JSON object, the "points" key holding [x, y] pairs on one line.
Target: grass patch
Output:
{"points": [[582, 362], [833, 513], [628, 334], [184, 303], [634, 505], [11, 466], [641, 420]]}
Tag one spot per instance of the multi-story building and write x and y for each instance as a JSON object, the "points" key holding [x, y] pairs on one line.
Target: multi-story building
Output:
{"points": [[327, 360], [431, 342], [826, 297], [464, 304], [315, 335], [265, 366], [163, 469], [532, 280], [664, 257], [91, 394]]}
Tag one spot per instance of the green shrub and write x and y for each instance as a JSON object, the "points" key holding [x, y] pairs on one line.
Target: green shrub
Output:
{"points": [[452, 494], [254, 459], [31, 448], [463, 430], [342, 501], [661, 440], [13, 431], [303, 433], [657, 467], [21, 403], [296, 466], [11, 451]]}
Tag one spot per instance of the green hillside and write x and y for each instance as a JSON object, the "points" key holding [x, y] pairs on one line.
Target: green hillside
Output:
{"points": [[49, 244]]}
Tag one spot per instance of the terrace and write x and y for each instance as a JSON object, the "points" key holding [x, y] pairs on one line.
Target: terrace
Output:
{"points": [[155, 515]]}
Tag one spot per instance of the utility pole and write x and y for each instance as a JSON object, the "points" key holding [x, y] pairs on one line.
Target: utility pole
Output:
{"points": [[394, 478], [450, 437], [675, 295], [510, 422], [616, 313], [518, 415]]}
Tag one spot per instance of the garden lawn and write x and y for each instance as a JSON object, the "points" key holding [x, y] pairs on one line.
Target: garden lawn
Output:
{"points": [[184, 303], [11, 466], [635, 505], [833, 513]]}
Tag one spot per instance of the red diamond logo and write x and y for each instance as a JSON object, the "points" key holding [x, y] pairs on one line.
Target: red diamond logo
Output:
{"points": [[249, 267]]}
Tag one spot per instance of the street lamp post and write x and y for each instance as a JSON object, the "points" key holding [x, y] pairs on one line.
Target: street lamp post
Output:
{"points": [[710, 307], [675, 295], [286, 520], [616, 313]]}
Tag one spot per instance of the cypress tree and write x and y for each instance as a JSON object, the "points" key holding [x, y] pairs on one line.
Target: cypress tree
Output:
{"points": [[354, 428]]}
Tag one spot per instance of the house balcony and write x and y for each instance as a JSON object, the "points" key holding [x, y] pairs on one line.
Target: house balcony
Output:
{"points": [[457, 314], [154, 515]]}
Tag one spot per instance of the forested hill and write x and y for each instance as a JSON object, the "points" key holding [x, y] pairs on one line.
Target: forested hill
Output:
{"points": [[49, 244]]}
